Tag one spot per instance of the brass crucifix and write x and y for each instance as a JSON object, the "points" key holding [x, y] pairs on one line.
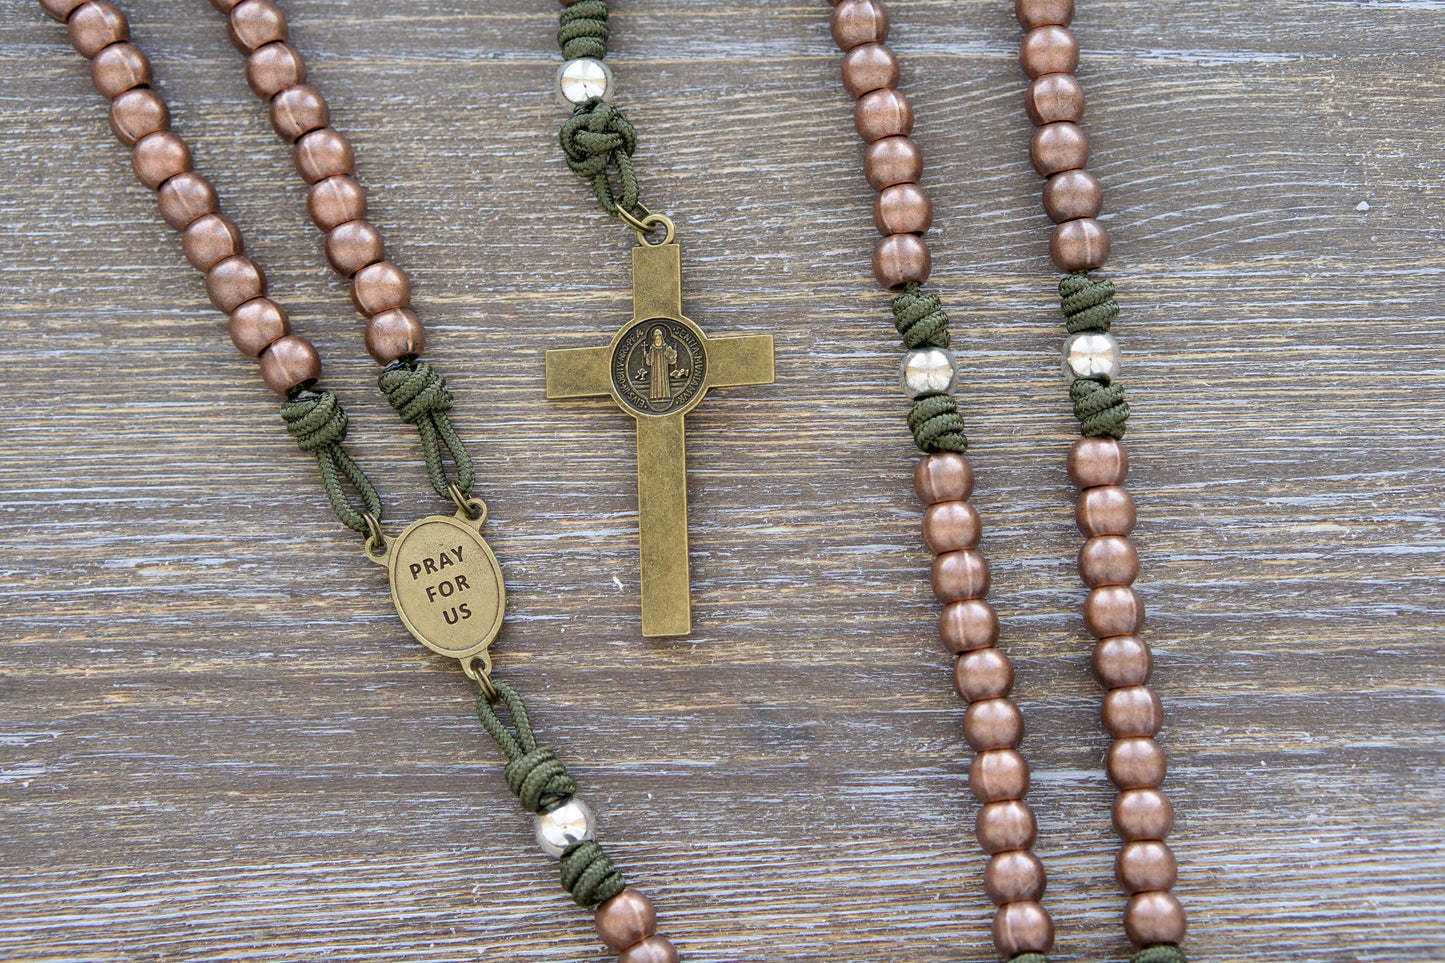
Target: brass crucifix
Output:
{"points": [[657, 369]]}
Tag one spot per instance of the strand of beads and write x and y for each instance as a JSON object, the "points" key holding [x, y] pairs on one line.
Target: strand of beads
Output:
{"points": [[1098, 464]]}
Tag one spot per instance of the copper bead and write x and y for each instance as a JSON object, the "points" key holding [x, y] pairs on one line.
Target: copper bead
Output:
{"points": [[1098, 461], [626, 919], [233, 282], [158, 157], [210, 239], [983, 674], [255, 23], [336, 200], [1081, 245], [869, 66], [1151, 918], [60, 9], [274, 67], [136, 113], [1022, 927], [993, 724], [1113, 610], [118, 68], [1132, 711], [1136, 764], [1122, 661], [186, 197], [999, 775], [1144, 866], [1014, 876], [353, 245], [943, 477], [892, 160], [324, 153], [901, 258], [1040, 13], [380, 287], [395, 334], [1005, 826], [1049, 49], [1054, 97], [961, 575], [951, 527], [855, 22], [902, 209], [968, 625], [1142, 814], [94, 26], [1108, 560], [883, 113], [297, 111], [654, 949], [224, 5], [1059, 147], [1105, 510], [289, 363], [257, 324], [1070, 195]]}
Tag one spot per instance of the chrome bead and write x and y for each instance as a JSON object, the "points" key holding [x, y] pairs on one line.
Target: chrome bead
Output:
{"points": [[1093, 355], [929, 371], [582, 79], [569, 823]]}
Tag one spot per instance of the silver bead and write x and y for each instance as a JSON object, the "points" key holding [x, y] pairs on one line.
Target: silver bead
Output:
{"points": [[1091, 354], [569, 823], [582, 79], [929, 371]]}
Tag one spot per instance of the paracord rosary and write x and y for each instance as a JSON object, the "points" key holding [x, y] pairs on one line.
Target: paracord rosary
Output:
{"points": [[461, 619]]}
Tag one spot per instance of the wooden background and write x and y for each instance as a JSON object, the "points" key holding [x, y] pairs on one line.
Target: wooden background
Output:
{"points": [[217, 743]]}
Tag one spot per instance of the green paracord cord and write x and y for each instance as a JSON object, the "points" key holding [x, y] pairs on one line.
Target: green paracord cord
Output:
{"points": [[1089, 305], [922, 323]]}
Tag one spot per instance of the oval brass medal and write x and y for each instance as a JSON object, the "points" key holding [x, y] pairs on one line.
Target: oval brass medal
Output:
{"points": [[447, 585]]}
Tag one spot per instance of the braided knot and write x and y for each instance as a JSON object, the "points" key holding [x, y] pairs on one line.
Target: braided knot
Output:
{"points": [[415, 389], [1100, 408], [920, 318], [583, 31], [1160, 953], [315, 419], [937, 425], [588, 874], [595, 138], [1029, 958], [538, 776], [1088, 303]]}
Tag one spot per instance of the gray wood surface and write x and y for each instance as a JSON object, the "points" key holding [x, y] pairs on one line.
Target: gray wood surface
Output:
{"points": [[216, 742]]}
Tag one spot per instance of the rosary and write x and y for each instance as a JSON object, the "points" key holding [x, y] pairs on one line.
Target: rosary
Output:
{"points": [[447, 584]]}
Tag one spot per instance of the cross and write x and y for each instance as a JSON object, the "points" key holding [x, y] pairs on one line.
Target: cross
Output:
{"points": [[657, 369]]}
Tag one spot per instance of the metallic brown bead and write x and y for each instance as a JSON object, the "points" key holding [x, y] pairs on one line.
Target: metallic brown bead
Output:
{"points": [[1132, 711], [324, 153], [1040, 13], [1059, 147], [1050, 49], [1098, 461], [1143, 867], [94, 26], [902, 209], [118, 68], [1142, 814], [210, 239], [380, 287], [993, 724], [224, 5], [273, 68], [186, 197], [855, 22], [136, 113], [395, 334], [901, 258], [353, 245], [1081, 245], [960, 575], [1136, 764], [1105, 510], [1151, 918], [1014, 876], [983, 674], [892, 160], [336, 200], [60, 9], [869, 66], [257, 324], [968, 625], [1108, 560], [1070, 195], [255, 23], [1122, 661], [297, 111], [883, 113], [945, 476], [1113, 610], [289, 363], [158, 157], [951, 527], [233, 282], [654, 949], [999, 775], [1054, 97], [626, 919], [1005, 826], [1022, 927]]}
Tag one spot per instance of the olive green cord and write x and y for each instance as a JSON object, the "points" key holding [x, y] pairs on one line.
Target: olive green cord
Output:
{"points": [[541, 783], [318, 423], [922, 323], [420, 396], [1160, 953], [1029, 958], [583, 30], [1089, 305]]}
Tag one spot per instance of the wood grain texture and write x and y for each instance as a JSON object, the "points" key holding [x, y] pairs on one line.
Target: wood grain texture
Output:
{"points": [[216, 743]]}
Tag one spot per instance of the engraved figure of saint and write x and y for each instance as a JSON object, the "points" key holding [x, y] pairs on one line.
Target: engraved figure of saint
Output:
{"points": [[659, 357]]}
